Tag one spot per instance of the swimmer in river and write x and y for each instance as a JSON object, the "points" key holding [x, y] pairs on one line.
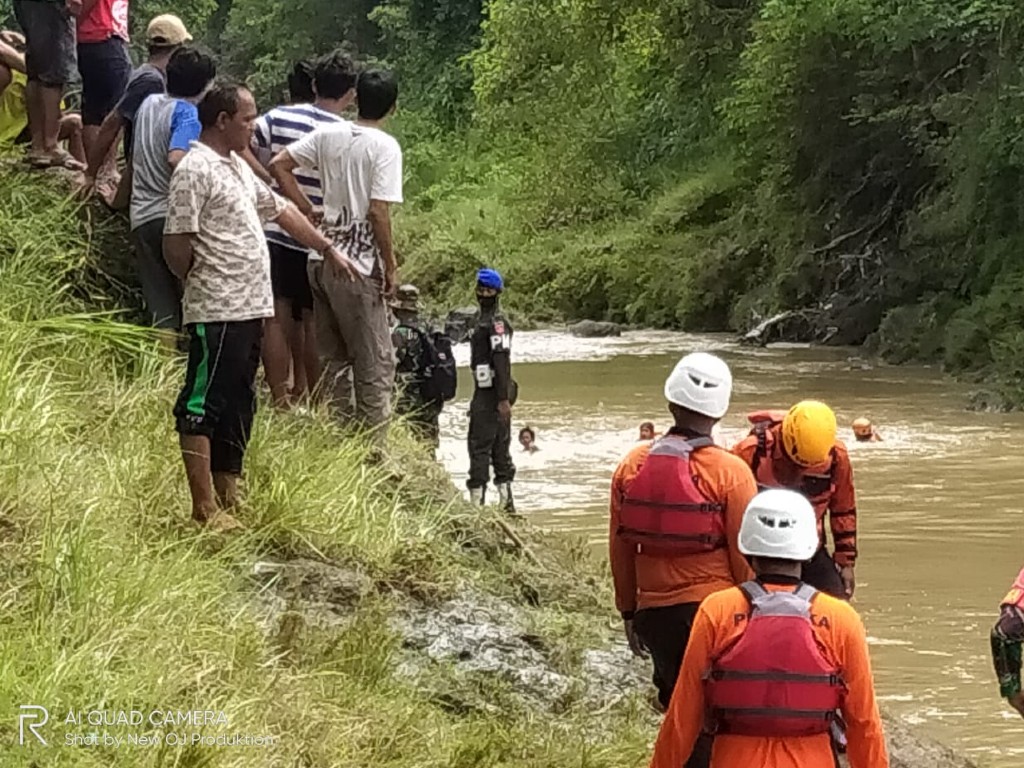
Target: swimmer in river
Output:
{"points": [[865, 432], [647, 431], [528, 439]]}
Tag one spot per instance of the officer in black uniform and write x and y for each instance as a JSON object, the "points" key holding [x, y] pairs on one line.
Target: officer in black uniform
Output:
{"points": [[408, 338], [490, 411]]}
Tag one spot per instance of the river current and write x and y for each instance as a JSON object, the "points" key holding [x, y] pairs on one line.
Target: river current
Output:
{"points": [[939, 499]]}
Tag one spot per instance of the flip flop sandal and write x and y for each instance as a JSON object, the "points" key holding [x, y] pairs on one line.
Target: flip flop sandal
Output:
{"points": [[61, 158]]}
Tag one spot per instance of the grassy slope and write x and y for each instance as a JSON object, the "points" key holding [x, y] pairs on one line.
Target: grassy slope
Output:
{"points": [[111, 600], [672, 260]]}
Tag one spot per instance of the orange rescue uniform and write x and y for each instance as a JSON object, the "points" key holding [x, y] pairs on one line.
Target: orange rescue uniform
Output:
{"points": [[837, 498], [643, 581], [720, 621]]}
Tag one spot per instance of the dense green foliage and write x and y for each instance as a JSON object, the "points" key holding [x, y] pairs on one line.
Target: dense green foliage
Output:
{"points": [[698, 163], [704, 163]]}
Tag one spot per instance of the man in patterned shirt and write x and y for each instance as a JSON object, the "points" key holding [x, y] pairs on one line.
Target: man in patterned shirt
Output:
{"points": [[214, 242]]}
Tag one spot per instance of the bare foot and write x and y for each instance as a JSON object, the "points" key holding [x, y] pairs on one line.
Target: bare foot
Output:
{"points": [[223, 522], [106, 189]]}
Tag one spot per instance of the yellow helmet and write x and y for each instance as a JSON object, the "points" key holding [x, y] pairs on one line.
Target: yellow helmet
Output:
{"points": [[809, 432], [862, 427]]}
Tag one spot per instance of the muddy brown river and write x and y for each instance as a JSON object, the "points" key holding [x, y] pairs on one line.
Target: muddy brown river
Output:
{"points": [[940, 500]]}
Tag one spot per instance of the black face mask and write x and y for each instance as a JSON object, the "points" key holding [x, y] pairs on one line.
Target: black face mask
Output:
{"points": [[487, 303]]}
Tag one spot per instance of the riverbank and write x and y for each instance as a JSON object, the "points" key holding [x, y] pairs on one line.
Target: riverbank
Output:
{"points": [[361, 620], [316, 625]]}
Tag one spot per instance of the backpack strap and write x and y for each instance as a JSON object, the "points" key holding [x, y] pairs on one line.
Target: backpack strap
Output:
{"points": [[424, 339], [805, 591], [752, 590], [406, 326], [692, 444]]}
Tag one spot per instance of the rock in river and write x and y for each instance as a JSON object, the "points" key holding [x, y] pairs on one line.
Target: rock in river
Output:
{"points": [[592, 329]]}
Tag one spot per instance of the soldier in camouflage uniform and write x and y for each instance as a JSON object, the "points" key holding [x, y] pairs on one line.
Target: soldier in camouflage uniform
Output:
{"points": [[408, 342]]}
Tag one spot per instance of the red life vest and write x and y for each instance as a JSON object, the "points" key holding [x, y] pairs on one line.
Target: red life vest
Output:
{"points": [[816, 483], [774, 680], [664, 512], [1015, 596]]}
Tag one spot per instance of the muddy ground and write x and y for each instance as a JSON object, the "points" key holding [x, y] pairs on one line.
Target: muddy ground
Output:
{"points": [[476, 635]]}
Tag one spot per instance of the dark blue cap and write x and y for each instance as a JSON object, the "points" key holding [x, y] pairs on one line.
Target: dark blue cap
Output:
{"points": [[489, 278]]}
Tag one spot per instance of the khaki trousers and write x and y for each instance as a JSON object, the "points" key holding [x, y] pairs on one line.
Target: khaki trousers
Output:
{"points": [[354, 342]]}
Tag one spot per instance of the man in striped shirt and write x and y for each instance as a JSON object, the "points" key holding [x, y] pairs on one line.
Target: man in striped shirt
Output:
{"points": [[289, 342]]}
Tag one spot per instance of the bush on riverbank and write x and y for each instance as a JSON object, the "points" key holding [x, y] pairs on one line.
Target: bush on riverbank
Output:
{"points": [[112, 600], [701, 165], [698, 164]]}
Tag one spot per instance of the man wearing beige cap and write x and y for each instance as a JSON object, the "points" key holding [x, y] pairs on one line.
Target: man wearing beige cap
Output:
{"points": [[164, 35]]}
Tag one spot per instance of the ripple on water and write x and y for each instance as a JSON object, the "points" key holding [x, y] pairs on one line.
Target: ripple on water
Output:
{"points": [[939, 499]]}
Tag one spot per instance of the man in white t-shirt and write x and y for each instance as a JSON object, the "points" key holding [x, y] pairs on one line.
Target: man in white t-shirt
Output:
{"points": [[360, 169]]}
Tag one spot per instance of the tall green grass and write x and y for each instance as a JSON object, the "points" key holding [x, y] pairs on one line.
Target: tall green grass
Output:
{"points": [[111, 600]]}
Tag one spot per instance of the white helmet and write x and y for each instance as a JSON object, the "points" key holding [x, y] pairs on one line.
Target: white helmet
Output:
{"points": [[700, 383], [779, 524]]}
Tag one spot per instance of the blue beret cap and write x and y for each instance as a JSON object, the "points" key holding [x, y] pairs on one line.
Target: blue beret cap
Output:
{"points": [[489, 278]]}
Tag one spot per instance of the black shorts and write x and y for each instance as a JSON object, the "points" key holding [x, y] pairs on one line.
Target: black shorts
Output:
{"points": [[50, 31], [218, 400], [289, 277], [106, 68]]}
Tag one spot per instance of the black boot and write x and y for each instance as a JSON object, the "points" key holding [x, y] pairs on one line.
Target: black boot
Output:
{"points": [[505, 500]]}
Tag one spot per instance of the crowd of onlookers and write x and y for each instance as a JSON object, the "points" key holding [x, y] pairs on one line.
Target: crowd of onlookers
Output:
{"points": [[256, 238], [68, 42], [277, 231]]}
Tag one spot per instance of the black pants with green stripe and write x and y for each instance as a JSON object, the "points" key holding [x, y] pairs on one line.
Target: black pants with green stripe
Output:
{"points": [[218, 400]]}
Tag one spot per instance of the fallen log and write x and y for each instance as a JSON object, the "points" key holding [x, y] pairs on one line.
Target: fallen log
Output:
{"points": [[774, 328]]}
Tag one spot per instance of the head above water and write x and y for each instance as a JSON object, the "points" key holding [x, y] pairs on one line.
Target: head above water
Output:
{"points": [[228, 115], [377, 94], [647, 431], [527, 437], [300, 83], [779, 532], [863, 429], [335, 76], [189, 73], [809, 433]]}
